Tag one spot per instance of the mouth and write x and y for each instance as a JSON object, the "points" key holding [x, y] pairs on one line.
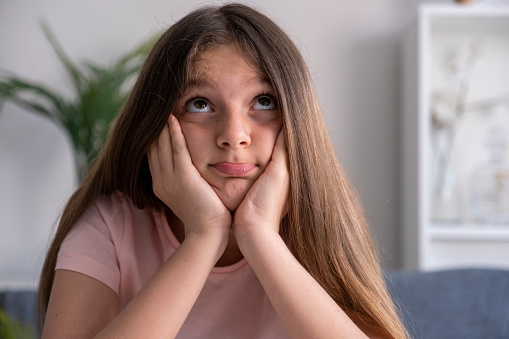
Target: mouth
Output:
{"points": [[234, 169]]}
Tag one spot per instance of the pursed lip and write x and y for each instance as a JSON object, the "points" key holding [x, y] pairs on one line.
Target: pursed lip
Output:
{"points": [[234, 169]]}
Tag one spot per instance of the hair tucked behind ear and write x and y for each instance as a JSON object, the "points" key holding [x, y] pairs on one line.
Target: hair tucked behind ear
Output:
{"points": [[325, 229]]}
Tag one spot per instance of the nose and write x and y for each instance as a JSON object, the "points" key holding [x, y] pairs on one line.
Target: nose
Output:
{"points": [[233, 130]]}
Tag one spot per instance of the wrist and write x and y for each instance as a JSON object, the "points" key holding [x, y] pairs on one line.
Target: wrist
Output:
{"points": [[255, 237], [212, 241]]}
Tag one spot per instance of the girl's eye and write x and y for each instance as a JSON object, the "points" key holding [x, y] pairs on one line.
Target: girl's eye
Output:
{"points": [[198, 105], [264, 102]]}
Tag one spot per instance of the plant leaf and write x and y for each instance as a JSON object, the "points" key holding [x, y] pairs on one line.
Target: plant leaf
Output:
{"points": [[100, 93], [15, 89], [72, 70]]}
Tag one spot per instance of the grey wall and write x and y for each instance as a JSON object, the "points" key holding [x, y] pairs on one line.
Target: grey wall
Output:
{"points": [[352, 50]]}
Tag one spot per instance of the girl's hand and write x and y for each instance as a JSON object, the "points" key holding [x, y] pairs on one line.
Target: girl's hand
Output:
{"points": [[266, 202], [177, 183]]}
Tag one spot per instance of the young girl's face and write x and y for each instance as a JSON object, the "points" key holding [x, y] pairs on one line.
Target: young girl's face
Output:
{"points": [[230, 119]]}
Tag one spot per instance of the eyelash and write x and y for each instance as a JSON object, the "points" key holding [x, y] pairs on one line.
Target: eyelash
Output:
{"points": [[272, 97], [263, 94], [187, 102]]}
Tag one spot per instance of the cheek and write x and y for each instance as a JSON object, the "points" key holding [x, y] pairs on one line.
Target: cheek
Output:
{"points": [[196, 144], [266, 144]]}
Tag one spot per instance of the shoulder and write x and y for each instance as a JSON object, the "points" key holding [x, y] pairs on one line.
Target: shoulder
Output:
{"points": [[99, 243], [109, 217], [112, 206], [116, 208]]}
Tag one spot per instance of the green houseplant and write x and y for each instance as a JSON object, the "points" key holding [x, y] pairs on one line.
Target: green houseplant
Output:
{"points": [[13, 329], [99, 93]]}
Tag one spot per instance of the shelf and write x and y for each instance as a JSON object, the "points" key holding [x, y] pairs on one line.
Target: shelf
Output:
{"points": [[468, 232], [442, 36], [476, 10]]}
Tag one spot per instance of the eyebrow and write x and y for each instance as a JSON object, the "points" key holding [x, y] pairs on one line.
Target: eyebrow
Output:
{"points": [[201, 81]]}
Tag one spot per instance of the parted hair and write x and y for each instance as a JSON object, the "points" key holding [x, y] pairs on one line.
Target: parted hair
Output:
{"points": [[325, 228]]}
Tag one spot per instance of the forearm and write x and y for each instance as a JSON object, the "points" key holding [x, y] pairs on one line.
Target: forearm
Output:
{"points": [[165, 301], [304, 307]]}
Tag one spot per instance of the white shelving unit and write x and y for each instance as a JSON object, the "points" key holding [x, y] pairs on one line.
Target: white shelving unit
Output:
{"points": [[429, 244]]}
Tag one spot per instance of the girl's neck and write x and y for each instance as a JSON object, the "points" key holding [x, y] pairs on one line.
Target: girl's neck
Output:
{"points": [[231, 254]]}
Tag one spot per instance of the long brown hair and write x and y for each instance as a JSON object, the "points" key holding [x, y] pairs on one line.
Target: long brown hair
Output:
{"points": [[325, 228]]}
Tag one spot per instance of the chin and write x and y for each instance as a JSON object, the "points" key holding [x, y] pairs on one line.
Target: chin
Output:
{"points": [[233, 194]]}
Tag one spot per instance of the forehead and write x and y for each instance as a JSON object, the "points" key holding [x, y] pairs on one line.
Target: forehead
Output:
{"points": [[224, 61]]}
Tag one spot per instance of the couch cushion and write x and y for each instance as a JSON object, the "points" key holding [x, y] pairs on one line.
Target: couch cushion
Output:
{"points": [[19, 305], [463, 303]]}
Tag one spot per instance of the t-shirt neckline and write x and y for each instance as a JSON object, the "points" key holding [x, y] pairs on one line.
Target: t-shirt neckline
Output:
{"points": [[163, 222]]}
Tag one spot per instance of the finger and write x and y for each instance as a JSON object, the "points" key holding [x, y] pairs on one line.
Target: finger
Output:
{"points": [[280, 159], [153, 160], [164, 148], [280, 154], [180, 152]]}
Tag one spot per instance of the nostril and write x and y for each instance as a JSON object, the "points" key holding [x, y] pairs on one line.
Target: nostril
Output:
{"points": [[241, 143]]}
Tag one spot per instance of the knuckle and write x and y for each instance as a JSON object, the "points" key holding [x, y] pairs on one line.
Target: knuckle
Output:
{"points": [[177, 149], [282, 172], [160, 143]]}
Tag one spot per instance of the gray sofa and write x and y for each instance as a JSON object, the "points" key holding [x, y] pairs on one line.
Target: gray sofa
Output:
{"points": [[453, 304], [20, 306]]}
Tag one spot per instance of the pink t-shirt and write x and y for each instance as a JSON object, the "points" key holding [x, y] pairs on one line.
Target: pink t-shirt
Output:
{"points": [[123, 246]]}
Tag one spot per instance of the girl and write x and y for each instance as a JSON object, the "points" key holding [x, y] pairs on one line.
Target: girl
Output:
{"points": [[217, 208]]}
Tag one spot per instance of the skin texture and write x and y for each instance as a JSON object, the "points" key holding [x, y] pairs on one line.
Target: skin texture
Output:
{"points": [[238, 123], [228, 115]]}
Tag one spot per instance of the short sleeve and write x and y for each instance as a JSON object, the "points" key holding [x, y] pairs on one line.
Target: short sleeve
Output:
{"points": [[91, 247]]}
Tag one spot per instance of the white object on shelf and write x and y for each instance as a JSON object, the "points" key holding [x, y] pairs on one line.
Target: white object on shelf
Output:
{"points": [[489, 196], [437, 30]]}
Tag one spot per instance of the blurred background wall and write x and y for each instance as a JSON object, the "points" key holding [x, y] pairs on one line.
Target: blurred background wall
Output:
{"points": [[352, 49]]}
